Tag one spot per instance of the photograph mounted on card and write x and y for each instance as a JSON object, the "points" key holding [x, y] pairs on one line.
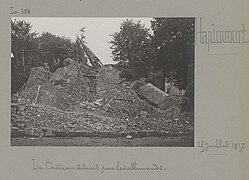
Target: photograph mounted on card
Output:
{"points": [[102, 81], [115, 89]]}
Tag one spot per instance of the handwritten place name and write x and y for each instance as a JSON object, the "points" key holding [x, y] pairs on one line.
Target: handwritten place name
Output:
{"points": [[217, 35], [23, 11], [133, 166], [206, 146]]}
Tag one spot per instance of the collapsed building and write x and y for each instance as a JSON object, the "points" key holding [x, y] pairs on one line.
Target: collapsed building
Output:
{"points": [[91, 97]]}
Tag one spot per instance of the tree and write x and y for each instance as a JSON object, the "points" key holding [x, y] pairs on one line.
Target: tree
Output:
{"points": [[174, 40], [174, 43], [132, 49], [22, 42], [31, 50], [55, 49], [23, 47]]}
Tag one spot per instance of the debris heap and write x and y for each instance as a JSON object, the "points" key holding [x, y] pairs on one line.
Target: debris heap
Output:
{"points": [[78, 97]]}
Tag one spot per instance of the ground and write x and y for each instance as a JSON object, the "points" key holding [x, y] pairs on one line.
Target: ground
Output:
{"points": [[177, 141]]}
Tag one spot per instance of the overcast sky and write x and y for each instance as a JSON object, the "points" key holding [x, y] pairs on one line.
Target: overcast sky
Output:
{"points": [[97, 33]]}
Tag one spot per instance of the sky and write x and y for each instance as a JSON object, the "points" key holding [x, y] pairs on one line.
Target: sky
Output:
{"points": [[97, 33]]}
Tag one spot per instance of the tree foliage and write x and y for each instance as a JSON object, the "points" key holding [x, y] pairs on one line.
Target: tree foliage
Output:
{"points": [[31, 50], [21, 36], [174, 43], [23, 47], [167, 54], [23, 44], [132, 49], [55, 49]]}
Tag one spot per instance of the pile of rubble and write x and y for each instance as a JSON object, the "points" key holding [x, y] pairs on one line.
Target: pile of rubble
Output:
{"points": [[47, 117], [77, 97]]}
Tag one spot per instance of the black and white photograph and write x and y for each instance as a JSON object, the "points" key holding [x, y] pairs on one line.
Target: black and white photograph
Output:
{"points": [[102, 81]]}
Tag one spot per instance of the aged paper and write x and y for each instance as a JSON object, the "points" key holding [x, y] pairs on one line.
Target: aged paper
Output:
{"points": [[220, 148]]}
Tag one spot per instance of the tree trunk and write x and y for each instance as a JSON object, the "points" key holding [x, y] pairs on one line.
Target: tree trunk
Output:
{"points": [[23, 62]]}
